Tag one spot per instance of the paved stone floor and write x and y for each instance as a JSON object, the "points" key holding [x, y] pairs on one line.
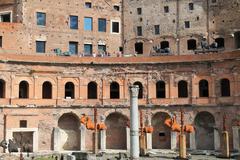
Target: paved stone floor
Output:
{"points": [[164, 155]]}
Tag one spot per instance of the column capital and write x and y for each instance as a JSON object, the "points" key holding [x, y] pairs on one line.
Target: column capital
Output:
{"points": [[133, 89]]}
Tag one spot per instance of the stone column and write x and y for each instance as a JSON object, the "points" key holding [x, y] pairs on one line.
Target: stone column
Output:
{"points": [[134, 118], [216, 140], [192, 141], [236, 138], [82, 137], [56, 139], [149, 141], [103, 140], [173, 140], [128, 138]]}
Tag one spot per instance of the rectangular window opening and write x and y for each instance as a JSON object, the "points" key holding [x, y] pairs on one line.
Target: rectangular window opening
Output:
{"points": [[88, 5], [115, 27], [139, 31], [23, 124], [139, 11], [187, 24], [41, 19], [102, 25], [1, 41], [166, 9], [88, 24], [88, 49], [157, 29], [5, 17], [40, 46], [73, 47], [73, 22]]}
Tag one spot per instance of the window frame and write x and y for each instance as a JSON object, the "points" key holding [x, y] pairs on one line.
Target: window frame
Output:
{"points": [[45, 18], [44, 49], [70, 23], [119, 26]]}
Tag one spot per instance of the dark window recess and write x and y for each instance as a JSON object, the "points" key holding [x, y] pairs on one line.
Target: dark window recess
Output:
{"points": [[5, 17], [92, 90], [139, 48], [69, 90], [139, 31], [40, 46], [140, 92], [225, 88], [237, 39], [41, 19], [203, 88], [73, 22], [73, 47], [191, 6], [116, 7], [1, 41], [139, 11], [23, 89], [182, 89], [47, 90], [157, 29], [187, 24], [115, 27], [2, 88], [102, 23], [164, 44], [114, 91], [120, 49], [166, 9], [160, 89], [214, 1], [192, 44], [88, 5], [220, 42], [23, 124], [162, 134]]}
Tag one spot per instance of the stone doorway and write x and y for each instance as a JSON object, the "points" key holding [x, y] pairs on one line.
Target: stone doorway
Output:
{"points": [[204, 135], [24, 140], [161, 136], [70, 134], [116, 134]]}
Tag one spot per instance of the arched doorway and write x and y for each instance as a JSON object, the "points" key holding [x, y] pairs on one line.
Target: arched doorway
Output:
{"points": [[204, 135], [47, 90], [70, 133], [164, 44], [116, 131], [161, 136]]}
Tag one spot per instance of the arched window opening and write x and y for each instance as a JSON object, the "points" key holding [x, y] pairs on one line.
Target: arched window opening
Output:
{"points": [[164, 44], [160, 89], [140, 93], [237, 39], [192, 44], [2, 88], [203, 88], [225, 88], [114, 91], [92, 90], [23, 89], [47, 90], [139, 48], [220, 42], [69, 90], [182, 89]]}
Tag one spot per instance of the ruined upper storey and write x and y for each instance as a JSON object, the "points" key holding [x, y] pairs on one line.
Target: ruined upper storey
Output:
{"points": [[110, 27]]}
